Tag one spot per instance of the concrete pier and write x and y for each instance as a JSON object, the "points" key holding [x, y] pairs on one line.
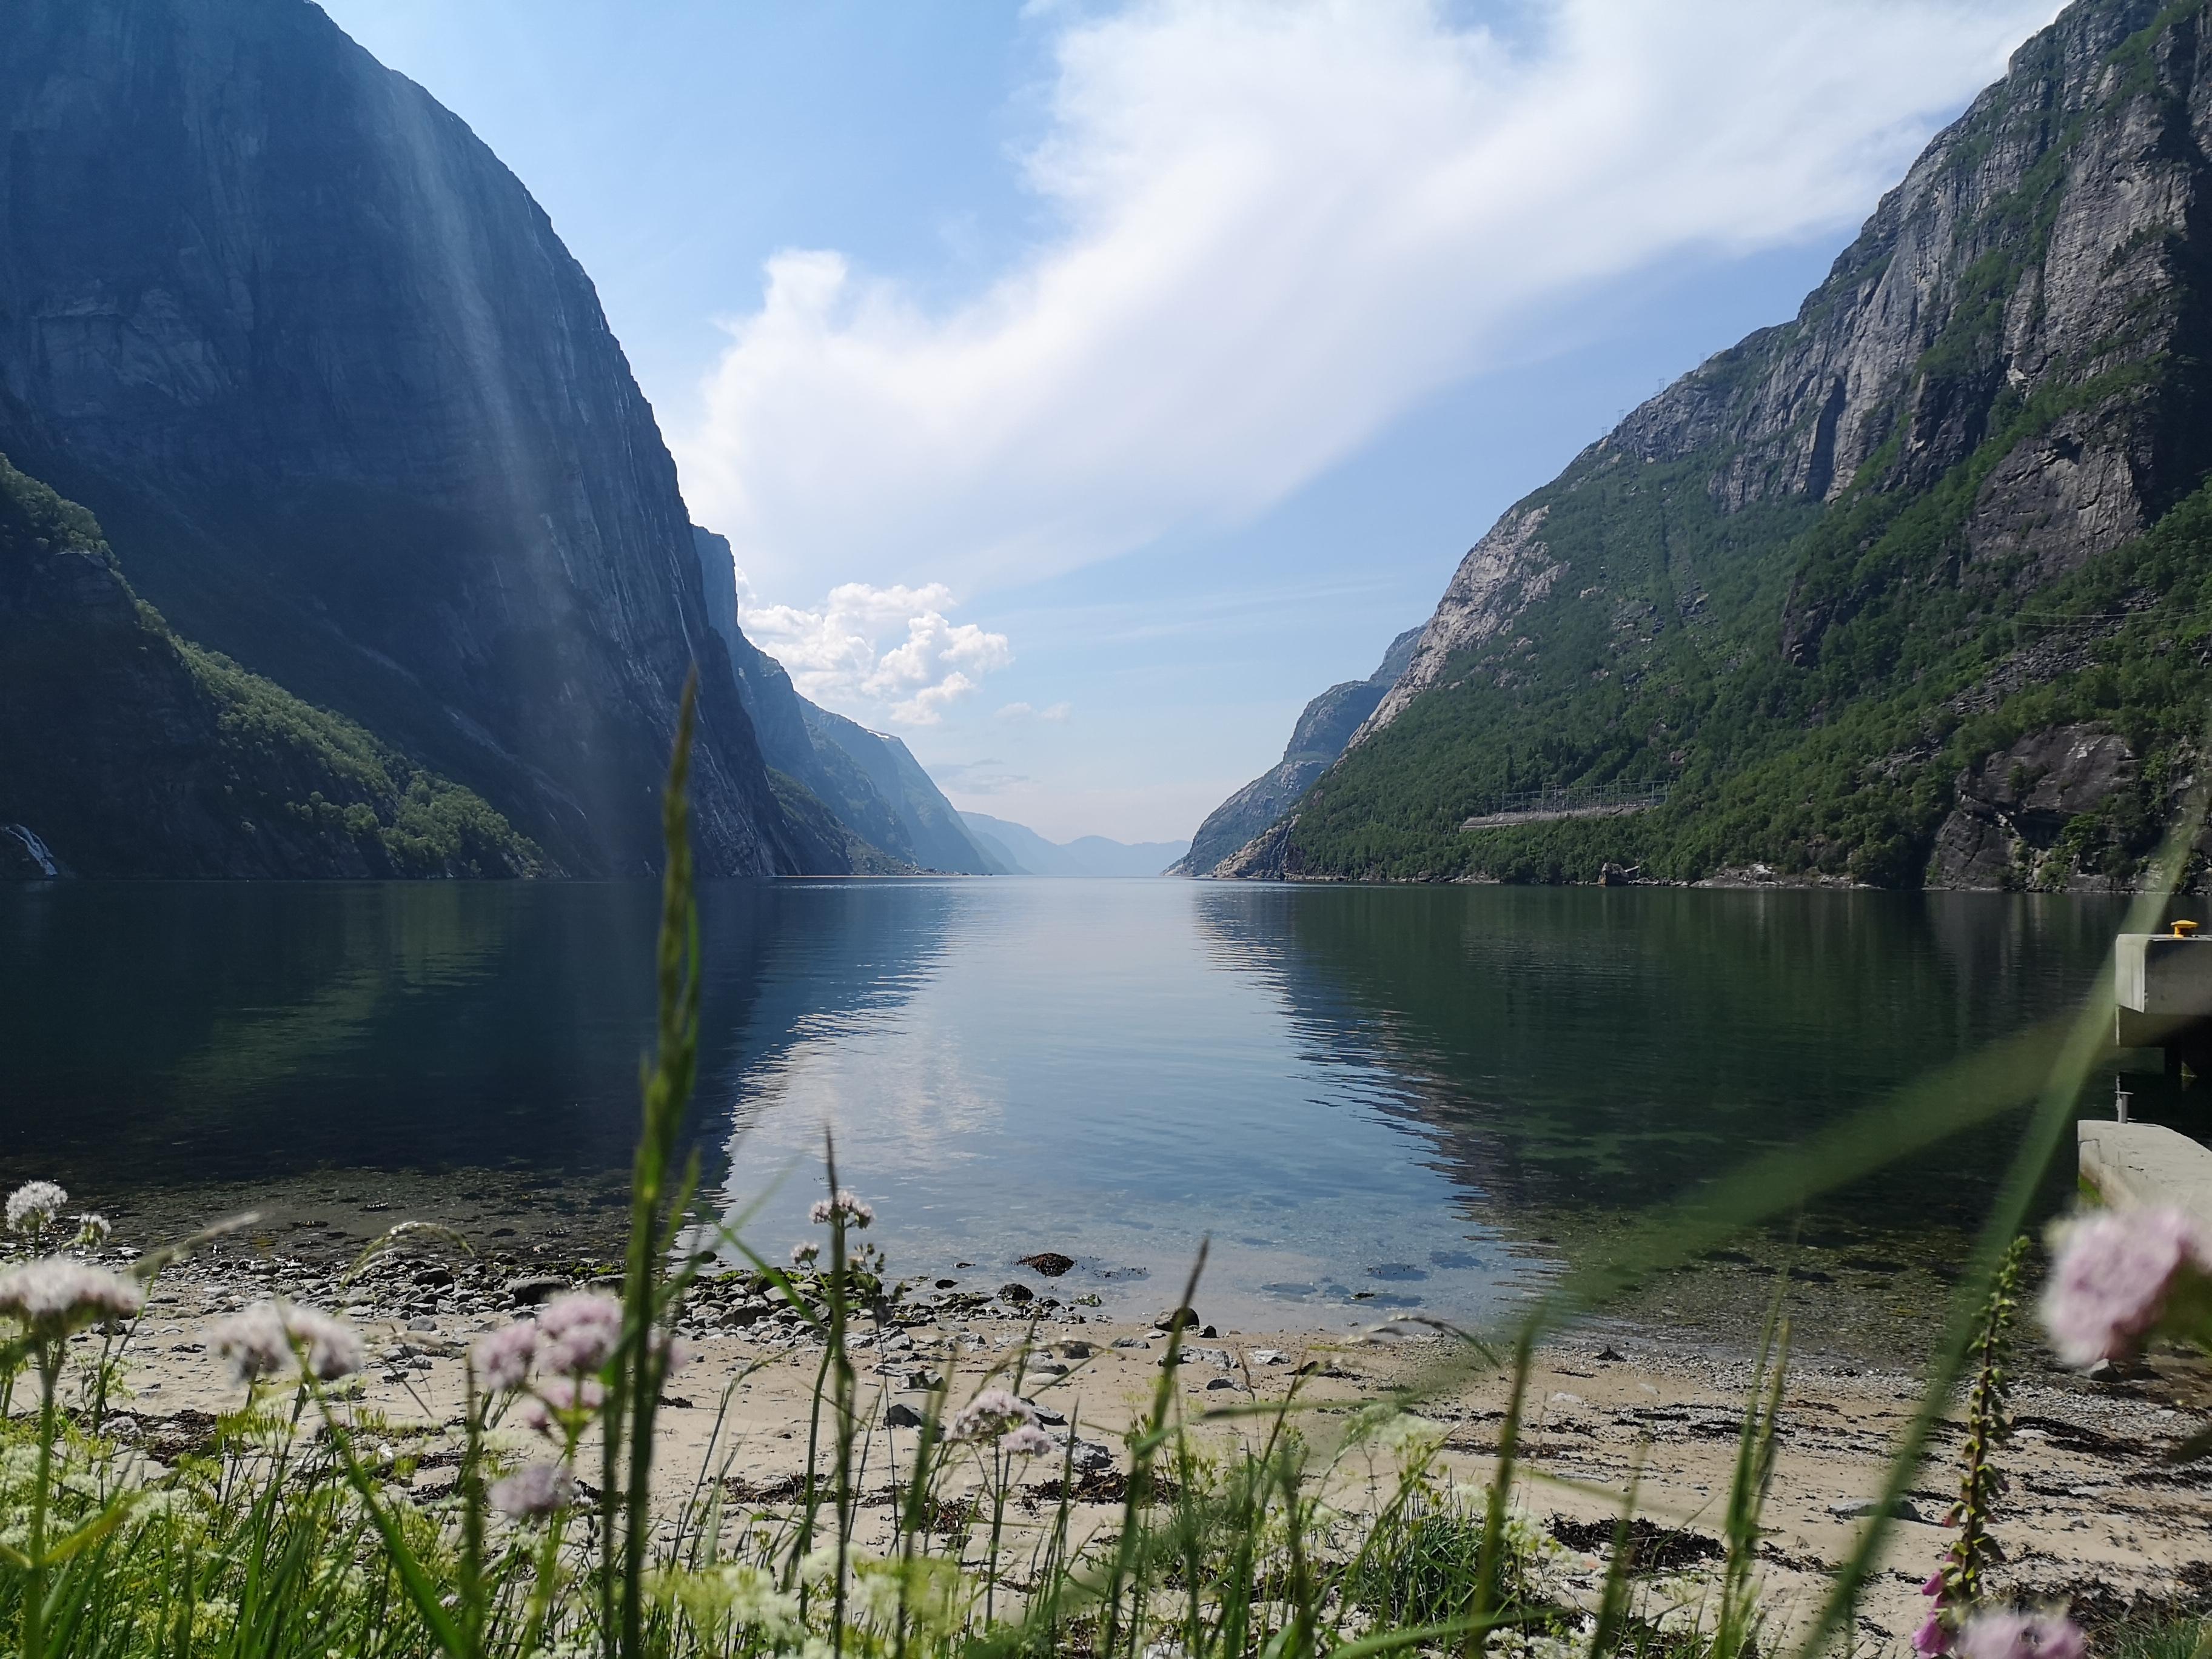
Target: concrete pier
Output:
{"points": [[2134, 1164]]}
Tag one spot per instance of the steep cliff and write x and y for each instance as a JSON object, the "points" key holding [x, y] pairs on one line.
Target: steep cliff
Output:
{"points": [[867, 779], [1812, 587], [125, 750], [1318, 738], [352, 417]]}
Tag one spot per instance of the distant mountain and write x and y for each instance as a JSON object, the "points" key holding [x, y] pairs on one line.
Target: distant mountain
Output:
{"points": [[1029, 854], [128, 751], [868, 780], [350, 414], [1318, 738], [1911, 589]]}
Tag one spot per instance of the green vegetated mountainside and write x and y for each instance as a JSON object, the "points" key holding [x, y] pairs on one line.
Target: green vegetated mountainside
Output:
{"points": [[1917, 588], [125, 750]]}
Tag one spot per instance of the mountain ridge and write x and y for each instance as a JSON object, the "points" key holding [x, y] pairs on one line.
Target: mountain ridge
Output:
{"points": [[1949, 512], [1094, 857], [351, 416]]}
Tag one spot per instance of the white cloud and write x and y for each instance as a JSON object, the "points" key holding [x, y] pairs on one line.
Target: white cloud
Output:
{"points": [[1278, 226], [837, 654], [1056, 712]]}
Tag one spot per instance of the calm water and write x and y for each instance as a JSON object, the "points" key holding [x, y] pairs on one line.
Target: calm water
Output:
{"points": [[1418, 1094]]}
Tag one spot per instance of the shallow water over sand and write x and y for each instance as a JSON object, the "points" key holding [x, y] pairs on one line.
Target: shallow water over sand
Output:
{"points": [[1367, 1098]]}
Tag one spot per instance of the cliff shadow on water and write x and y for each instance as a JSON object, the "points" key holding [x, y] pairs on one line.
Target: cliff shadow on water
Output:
{"points": [[1590, 1052], [189, 1035]]}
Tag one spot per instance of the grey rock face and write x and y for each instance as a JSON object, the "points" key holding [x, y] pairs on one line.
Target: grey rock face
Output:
{"points": [[1937, 323], [1323, 730], [351, 413], [2013, 808], [1502, 575]]}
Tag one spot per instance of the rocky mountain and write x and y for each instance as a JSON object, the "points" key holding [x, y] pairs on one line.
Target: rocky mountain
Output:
{"points": [[1318, 738], [351, 417], [1910, 589], [868, 781], [1026, 852], [125, 750]]}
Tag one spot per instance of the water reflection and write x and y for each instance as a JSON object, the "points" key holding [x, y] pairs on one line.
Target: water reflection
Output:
{"points": [[1365, 1097]]}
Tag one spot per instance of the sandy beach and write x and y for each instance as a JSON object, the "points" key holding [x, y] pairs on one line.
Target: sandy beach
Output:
{"points": [[2095, 1516]]}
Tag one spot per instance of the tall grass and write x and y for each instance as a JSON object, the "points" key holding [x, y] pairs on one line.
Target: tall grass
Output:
{"points": [[291, 1532]]}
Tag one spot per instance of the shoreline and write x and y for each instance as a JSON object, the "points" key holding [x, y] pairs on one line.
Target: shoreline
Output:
{"points": [[2095, 1515]]}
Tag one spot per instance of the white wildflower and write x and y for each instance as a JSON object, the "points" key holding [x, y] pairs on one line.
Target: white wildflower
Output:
{"points": [[33, 1207], [93, 1231], [54, 1297], [847, 1206]]}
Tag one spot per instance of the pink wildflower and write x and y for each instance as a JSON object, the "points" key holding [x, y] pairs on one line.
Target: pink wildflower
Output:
{"points": [[2011, 1634], [580, 1330], [1932, 1638], [56, 1295], [995, 1412], [2115, 1271], [1027, 1441], [502, 1357], [673, 1351], [264, 1339], [803, 1256], [334, 1348], [560, 1397], [533, 1491], [1935, 1584], [847, 1206], [254, 1342]]}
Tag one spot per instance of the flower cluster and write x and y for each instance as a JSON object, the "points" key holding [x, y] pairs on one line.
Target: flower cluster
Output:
{"points": [[56, 1295], [534, 1491], [33, 1207], [998, 1413], [558, 1357], [847, 1206], [2010, 1633], [2116, 1277], [501, 1359], [563, 1402], [1028, 1441], [93, 1231], [578, 1334], [266, 1338]]}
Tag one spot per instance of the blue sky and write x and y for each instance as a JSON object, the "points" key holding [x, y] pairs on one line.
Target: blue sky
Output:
{"points": [[1084, 386]]}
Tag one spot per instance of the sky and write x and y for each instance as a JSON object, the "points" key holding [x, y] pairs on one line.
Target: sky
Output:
{"points": [[1085, 387]]}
